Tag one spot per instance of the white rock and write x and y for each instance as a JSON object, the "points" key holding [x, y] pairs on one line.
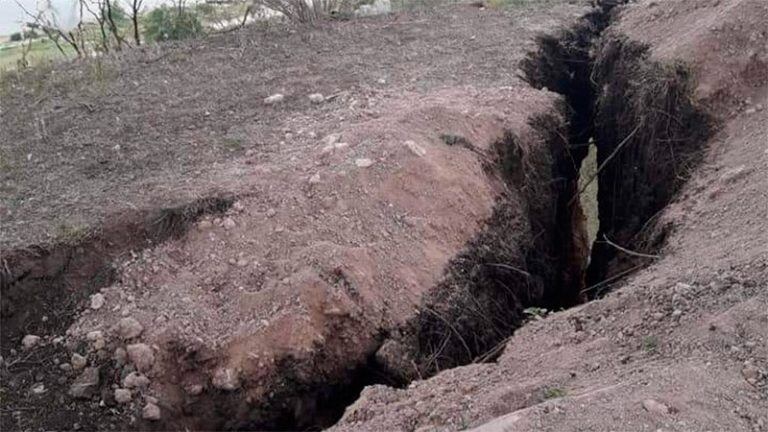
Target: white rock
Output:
{"points": [[65, 367], [229, 223], [315, 179], [122, 396], [30, 341], [275, 98], [86, 384], [271, 212], [97, 301], [226, 379], [94, 335], [78, 362], [135, 380], [96, 338], [654, 406], [150, 412], [316, 98], [332, 139], [38, 389], [129, 328], [193, 389], [363, 162], [415, 148], [141, 356]]}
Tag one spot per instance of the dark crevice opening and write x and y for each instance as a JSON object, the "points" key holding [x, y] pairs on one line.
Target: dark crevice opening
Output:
{"points": [[313, 406]]}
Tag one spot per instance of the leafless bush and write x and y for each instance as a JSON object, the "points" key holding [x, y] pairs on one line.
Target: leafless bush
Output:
{"points": [[306, 11]]}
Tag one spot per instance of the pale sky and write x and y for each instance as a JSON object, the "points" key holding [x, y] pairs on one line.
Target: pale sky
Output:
{"points": [[11, 15]]}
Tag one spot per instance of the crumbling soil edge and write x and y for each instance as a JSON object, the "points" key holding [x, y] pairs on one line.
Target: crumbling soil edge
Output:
{"points": [[645, 122], [50, 280], [650, 134]]}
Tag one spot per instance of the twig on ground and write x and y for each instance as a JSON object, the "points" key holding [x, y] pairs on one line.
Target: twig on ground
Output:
{"points": [[445, 321], [630, 252], [509, 267]]}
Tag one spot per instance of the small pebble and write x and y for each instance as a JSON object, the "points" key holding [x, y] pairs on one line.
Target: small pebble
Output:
{"points": [[30, 341], [97, 301], [275, 98]]}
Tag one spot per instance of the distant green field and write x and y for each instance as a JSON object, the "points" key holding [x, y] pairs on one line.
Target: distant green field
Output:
{"points": [[42, 50]]}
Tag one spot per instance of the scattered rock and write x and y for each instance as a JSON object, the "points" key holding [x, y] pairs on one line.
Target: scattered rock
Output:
{"points": [[238, 207], [96, 338], [120, 356], [193, 389], [271, 212], [66, 367], [228, 223], [38, 389], [226, 379], [141, 356], [30, 341], [275, 98], [415, 148], [316, 98], [122, 396], [363, 162], [315, 179], [135, 380], [332, 139], [150, 412], [129, 328], [86, 384], [204, 224], [655, 407], [97, 301], [750, 372], [78, 362]]}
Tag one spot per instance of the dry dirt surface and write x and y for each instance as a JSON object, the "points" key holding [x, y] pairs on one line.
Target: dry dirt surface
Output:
{"points": [[180, 252], [191, 254], [681, 345]]}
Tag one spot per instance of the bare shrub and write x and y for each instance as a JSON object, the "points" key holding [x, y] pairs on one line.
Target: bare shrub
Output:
{"points": [[306, 11]]}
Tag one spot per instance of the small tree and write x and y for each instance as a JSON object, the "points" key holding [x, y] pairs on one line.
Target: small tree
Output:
{"points": [[135, 6], [15, 37], [165, 23]]}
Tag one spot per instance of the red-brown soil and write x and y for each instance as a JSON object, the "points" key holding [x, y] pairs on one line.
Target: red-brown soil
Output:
{"points": [[682, 344], [344, 213], [251, 258]]}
